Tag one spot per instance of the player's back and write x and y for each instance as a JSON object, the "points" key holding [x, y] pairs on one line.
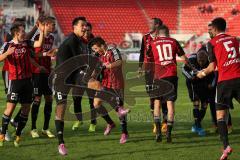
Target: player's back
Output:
{"points": [[165, 50], [226, 50]]}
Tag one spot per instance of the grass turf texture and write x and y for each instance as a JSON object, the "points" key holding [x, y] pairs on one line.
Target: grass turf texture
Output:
{"points": [[141, 146]]}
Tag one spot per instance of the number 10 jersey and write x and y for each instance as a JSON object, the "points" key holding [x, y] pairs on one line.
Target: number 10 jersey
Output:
{"points": [[164, 51]]}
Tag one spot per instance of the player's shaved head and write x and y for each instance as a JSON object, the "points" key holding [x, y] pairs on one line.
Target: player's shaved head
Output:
{"points": [[164, 30]]}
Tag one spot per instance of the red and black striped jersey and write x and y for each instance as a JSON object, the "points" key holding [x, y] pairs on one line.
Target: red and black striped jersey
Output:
{"points": [[112, 78], [146, 40], [46, 46], [19, 65]]}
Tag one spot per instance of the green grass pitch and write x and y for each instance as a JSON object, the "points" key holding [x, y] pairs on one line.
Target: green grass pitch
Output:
{"points": [[141, 146]]}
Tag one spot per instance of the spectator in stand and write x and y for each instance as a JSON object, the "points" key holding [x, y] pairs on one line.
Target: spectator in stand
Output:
{"points": [[234, 11], [202, 8], [209, 9]]}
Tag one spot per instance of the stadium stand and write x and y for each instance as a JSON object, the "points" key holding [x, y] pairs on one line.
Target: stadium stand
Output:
{"points": [[168, 12], [197, 22], [112, 19]]}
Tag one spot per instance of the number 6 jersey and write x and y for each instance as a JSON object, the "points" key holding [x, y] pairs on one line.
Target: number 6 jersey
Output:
{"points": [[164, 51]]}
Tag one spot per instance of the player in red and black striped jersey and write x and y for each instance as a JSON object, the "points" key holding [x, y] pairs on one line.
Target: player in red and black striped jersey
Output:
{"points": [[164, 50], [224, 53], [7, 37], [112, 82], [40, 80], [145, 65], [18, 53]]}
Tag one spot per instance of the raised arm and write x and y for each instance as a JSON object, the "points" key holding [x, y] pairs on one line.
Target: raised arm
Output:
{"points": [[4, 53], [39, 42]]}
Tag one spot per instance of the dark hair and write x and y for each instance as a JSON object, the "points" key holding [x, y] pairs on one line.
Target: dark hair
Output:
{"points": [[157, 21], [97, 41], [75, 20], [89, 25], [210, 24], [219, 23], [164, 28], [41, 18], [15, 28], [19, 20], [49, 19]]}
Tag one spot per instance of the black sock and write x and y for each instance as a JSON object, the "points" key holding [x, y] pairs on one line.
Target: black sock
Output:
{"points": [[169, 128], [223, 131], [59, 128], [5, 122], [102, 111], [196, 115], [93, 112], [47, 114], [152, 106], [34, 113], [157, 122], [123, 123], [229, 119], [202, 112], [16, 118], [213, 112], [77, 104], [21, 124]]}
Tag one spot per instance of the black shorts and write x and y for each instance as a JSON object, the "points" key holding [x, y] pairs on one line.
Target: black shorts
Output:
{"points": [[148, 80], [20, 91], [118, 95], [61, 89], [40, 85], [165, 89], [197, 91], [226, 91]]}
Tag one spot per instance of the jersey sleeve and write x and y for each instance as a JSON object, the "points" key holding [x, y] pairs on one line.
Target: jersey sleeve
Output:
{"points": [[210, 52], [187, 71], [116, 55], [4, 48], [141, 56], [180, 51]]}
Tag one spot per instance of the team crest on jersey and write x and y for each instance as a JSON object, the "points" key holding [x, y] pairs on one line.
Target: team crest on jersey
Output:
{"points": [[19, 51]]}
